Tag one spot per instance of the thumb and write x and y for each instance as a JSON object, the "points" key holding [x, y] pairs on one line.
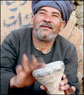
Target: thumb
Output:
{"points": [[43, 87], [18, 69]]}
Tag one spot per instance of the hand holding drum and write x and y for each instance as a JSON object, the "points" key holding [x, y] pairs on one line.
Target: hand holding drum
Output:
{"points": [[50, 76]]}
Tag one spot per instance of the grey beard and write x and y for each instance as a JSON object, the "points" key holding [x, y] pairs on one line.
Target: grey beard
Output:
{"points": [[44, 38]]}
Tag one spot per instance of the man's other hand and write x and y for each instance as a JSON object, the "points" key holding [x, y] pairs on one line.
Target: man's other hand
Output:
{"points": [[64, 86]]}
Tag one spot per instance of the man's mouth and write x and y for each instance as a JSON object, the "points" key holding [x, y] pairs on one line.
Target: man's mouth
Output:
{"points": [[46, 26]]}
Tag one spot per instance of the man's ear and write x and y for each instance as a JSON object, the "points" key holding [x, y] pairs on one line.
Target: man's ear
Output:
{"points": [[32, 19], [63, 25]]}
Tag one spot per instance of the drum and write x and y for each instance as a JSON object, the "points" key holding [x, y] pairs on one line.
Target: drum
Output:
{"points": [[50, 76]]}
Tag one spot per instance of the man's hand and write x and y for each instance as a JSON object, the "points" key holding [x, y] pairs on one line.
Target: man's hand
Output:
{"points": [[24, 73], [63, 86]]}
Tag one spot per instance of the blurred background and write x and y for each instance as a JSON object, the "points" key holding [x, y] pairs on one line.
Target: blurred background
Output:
{"points": [[17, 14]]}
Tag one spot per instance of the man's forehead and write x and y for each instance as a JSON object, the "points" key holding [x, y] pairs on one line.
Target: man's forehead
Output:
{"points": [[49, 9]]}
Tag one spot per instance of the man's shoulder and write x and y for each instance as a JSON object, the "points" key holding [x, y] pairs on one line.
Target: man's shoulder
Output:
{"points": [[21, 34], [22, 31], [64, 42], [65, 46]]}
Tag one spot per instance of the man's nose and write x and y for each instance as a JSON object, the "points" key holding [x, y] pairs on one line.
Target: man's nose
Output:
{"points": [[47, 18]]}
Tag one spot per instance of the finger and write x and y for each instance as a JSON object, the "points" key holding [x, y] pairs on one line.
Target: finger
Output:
{"points": [[63, 77], [73, 89], [33, 62], [18, 69], [63, 82], [40, 66], [65, 87], [43, 87], [70, 90], [67, 91], [41, 63], [25, 64], [40, 60]]}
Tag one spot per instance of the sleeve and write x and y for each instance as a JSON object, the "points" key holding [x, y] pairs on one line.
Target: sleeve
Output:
{"points": [[71, 65], [9, 56]]}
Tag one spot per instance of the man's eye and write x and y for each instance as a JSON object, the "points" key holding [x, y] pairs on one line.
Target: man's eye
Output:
{"points": [[55, 15], [41, 12]]}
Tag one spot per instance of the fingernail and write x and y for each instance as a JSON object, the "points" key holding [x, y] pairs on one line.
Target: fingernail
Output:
{"points": [[62, 83]]}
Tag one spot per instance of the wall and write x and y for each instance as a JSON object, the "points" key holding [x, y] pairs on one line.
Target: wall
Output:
{"points": [[14, 14], [17, 14]]}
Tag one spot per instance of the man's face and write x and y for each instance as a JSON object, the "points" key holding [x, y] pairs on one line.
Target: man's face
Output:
{"points": [[47, 23]]}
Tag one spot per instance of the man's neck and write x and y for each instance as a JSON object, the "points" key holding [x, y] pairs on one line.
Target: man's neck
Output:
{"points": [[42, 46]]}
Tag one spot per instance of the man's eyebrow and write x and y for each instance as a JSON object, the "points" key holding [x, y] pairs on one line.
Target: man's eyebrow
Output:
{"points": [[52, 12], [56, 13], [43, 10]]}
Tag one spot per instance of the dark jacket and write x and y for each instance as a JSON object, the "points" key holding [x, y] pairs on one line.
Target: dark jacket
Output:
{"points": [[19, 42]]}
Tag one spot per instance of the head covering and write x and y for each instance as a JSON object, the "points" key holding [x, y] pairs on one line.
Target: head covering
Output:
{"points": [[64, 6]]}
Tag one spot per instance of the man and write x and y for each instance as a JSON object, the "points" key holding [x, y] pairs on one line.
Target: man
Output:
{"points": [[43, 41]]}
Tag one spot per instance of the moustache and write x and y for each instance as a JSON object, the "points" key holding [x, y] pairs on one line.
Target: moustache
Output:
{"points": [[47, 24]]}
